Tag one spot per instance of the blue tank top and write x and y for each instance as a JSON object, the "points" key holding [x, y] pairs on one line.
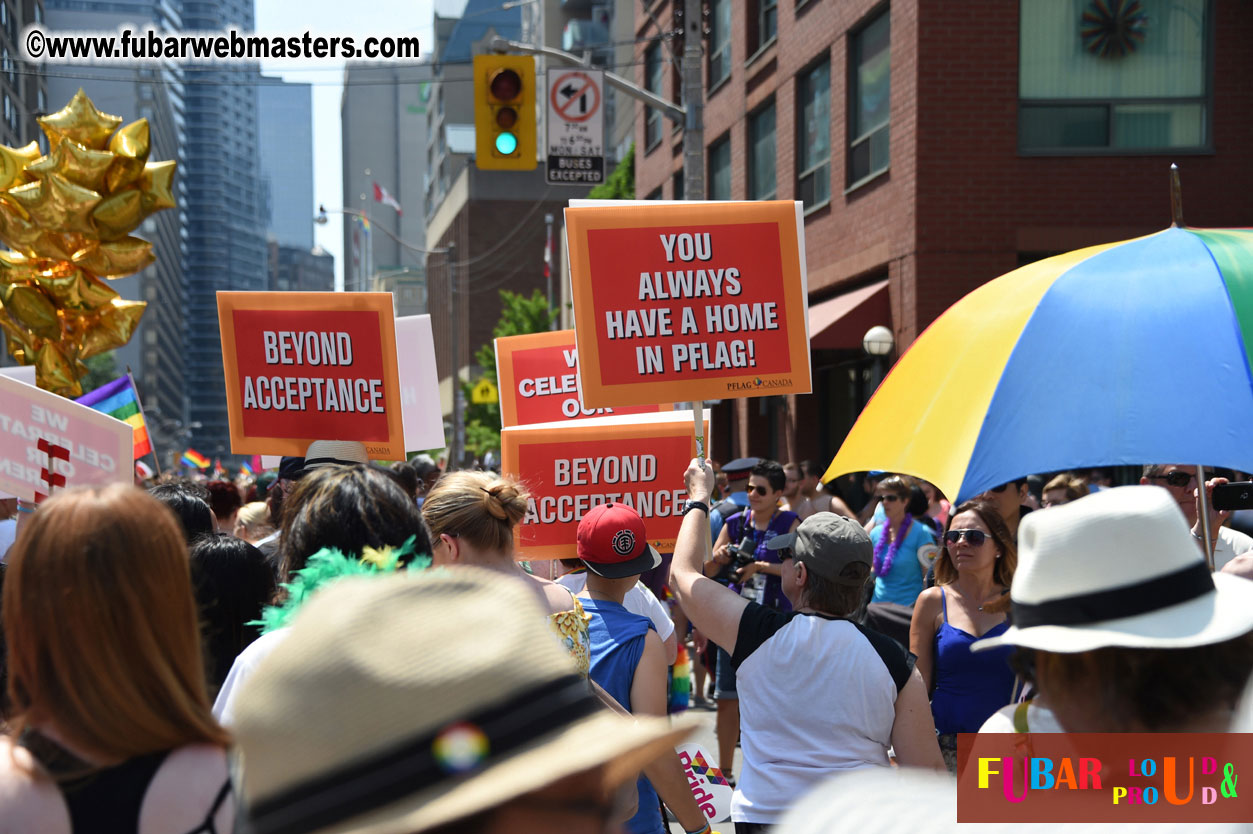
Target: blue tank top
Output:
{"points": [[617, 644], [969, 687]]}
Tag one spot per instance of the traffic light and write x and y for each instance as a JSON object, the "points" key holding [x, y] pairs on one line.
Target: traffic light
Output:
{"points": [[504, 112]]}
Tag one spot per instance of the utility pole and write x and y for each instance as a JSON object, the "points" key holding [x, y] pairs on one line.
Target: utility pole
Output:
{"points": [[548, 265], [693, 104], [457, 452]]}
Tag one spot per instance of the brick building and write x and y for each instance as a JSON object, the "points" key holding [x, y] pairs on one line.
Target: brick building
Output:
{"points": [[938, 145]]}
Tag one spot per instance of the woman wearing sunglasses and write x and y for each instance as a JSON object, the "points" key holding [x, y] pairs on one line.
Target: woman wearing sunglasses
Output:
{"points": [[897, 570], [973, 572]]}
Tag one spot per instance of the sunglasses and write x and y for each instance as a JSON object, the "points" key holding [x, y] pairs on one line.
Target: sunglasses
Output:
{"points": [[760, 490], [999, 489], [975, 537], [891, 498], [1176, 479]]}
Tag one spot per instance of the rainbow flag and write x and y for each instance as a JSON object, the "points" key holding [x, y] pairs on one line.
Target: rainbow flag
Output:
{"points": [[193, 458], [245, 469], [119, 399]]}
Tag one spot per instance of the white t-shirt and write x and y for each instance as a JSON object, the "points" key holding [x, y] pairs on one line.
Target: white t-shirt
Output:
{"points": [[1040, 719], [1231, 543], [639, 600], [243, 667], [817, 696]]}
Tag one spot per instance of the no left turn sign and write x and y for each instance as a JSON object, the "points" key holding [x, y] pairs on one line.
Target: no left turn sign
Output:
{"points": [[576, 127]]}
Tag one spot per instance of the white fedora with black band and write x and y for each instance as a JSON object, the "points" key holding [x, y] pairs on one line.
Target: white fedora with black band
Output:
{"points": [[1119, 568], [402, 703]]}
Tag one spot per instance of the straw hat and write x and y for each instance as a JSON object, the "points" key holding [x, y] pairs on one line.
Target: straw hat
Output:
{"points": [[402, 703], [1119, 568], [334, 453]]}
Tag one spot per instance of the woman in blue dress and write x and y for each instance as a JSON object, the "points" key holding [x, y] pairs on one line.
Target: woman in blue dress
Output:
{"points": [[970, 599]]}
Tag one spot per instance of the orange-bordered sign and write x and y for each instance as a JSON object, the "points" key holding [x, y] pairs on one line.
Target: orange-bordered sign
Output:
{"points": [[689, 301], [571, 467], [301, 367], [539, 381]]}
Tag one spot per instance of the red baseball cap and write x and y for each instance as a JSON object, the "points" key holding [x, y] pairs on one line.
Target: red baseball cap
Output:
{"points": [[613, 544]]}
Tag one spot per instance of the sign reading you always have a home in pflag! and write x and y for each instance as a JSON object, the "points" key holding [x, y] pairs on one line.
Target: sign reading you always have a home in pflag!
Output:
{"points": [[301, 367], [688, 301]]}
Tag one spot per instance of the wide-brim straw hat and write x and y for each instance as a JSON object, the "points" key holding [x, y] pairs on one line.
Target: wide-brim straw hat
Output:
{"points": [[401, 703], [1119, 567], [322, 453]]}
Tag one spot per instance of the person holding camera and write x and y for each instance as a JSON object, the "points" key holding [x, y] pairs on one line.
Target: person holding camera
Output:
{"points": [[743, 563], [819, 693], [1180, 481]]}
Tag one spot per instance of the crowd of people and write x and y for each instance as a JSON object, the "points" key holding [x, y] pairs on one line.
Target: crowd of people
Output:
{"points": [[344, 647]]}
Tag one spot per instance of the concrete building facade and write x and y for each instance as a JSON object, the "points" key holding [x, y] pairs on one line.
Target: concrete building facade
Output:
{"points": [[384, 112]]}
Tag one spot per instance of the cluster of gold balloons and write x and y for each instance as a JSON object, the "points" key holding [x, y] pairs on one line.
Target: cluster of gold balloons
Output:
{"points": [[68, 216]]}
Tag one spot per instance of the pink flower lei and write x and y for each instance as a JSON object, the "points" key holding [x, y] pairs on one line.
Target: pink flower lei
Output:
{"points": [[883, 565]]}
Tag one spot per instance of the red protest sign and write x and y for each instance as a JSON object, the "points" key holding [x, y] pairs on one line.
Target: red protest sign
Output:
{"points": [[571, 467], [539, 381], [301, 367], [689, 301]]}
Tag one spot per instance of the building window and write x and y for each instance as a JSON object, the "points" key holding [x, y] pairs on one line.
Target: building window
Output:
{"points": [[652, 83], [1102, 77], [678, 185], [719, 186], [813, 185], [870, 92], [762, 155], [764, 25], [719, 42]]}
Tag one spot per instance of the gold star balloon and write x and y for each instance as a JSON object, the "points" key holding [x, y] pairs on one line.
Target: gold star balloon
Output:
{"points": [[77, 164], [68, 217], [80, 122], [130, 151], [13, 161]]}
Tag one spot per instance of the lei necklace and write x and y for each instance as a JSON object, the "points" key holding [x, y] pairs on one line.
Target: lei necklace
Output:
{"points": [[881, 564]]}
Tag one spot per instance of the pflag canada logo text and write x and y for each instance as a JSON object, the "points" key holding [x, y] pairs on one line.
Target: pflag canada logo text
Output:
{"points": [[1103, 777]]}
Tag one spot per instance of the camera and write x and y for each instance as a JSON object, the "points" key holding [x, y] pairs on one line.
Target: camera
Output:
{"points": [[745, 552]]}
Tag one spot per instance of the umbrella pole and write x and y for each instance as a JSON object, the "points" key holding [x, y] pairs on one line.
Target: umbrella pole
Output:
{"points": [[1203, 499]]}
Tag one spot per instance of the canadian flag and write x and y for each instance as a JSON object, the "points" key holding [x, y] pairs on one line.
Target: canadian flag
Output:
{"points": [[381, 195]]}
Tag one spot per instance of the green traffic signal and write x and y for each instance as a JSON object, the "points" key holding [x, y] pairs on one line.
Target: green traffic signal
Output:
{"points": [[506, 143]]}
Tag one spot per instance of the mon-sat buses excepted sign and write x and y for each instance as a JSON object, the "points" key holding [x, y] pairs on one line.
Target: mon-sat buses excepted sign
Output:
{"points": [[539, 381], [571, 467], [689, 301], [312, 366]]}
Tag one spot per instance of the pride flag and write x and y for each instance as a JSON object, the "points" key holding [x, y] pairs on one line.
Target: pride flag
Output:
{"points": [[193, 458], [118, 399], [245, 469]]}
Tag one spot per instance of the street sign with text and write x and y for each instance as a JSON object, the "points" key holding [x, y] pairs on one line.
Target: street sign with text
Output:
{"points": [[576, 127]]}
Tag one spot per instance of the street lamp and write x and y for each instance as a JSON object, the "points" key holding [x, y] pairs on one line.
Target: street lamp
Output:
{"points": [[877, 341], [878, 344]]}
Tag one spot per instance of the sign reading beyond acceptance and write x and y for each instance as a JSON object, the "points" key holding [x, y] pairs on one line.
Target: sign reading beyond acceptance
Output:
{"points": [[571, 467], [691, 301], [539, 375], [48, 442], [302, 367]]}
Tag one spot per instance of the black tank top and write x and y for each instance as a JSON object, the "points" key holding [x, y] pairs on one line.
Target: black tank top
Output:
{"points": [[105, 800]]}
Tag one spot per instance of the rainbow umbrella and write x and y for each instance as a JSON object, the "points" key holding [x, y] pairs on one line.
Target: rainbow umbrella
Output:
{"points": [[1128, 353]]}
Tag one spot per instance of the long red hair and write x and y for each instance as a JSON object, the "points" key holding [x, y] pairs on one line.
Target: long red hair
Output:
{"points": [[101, 626]]}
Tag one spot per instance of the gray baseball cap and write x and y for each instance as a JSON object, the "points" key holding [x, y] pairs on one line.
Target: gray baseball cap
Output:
{"points": [[826, 542]]}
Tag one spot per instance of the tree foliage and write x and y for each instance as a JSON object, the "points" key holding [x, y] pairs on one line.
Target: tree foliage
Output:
{"points": [[519, 314], [621, 183]]}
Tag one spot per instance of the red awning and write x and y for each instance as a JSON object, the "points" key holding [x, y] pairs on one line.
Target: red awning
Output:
{"points": [[840, 323]]}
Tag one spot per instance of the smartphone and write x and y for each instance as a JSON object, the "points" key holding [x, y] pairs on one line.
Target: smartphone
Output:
{"points": [[1237, 495]]}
